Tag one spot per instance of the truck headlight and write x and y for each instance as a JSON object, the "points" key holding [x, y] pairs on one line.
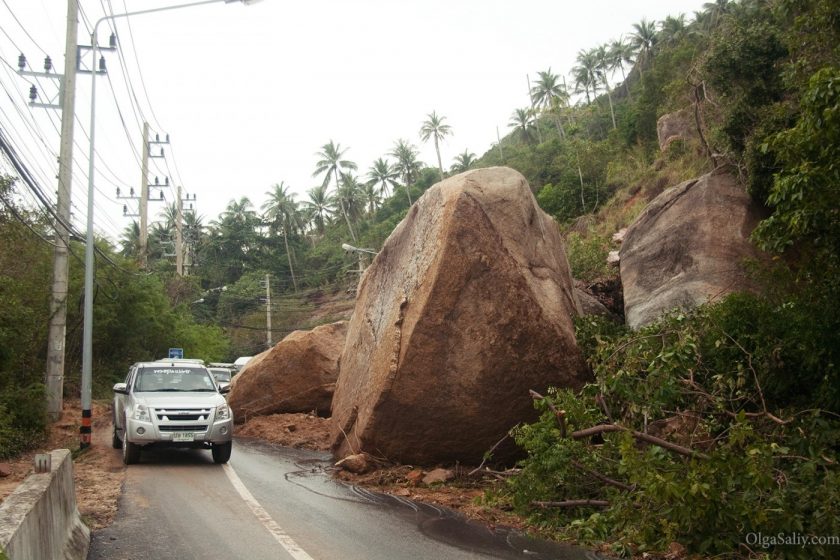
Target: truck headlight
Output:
{"points": [[223, 412], [142, 413]]}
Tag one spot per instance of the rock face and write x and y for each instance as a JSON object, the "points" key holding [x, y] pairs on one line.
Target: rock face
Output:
{"points": [[675, 126], [687, 247], [467, 306], [297, 375]]}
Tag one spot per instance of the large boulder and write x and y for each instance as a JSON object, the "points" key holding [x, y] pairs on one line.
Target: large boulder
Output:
{"points": [[678, 125], [468, 305], [297, 375], [688, 247]]}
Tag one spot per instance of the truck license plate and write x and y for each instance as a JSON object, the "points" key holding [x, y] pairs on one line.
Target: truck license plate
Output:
{"points": [[183, 436]]}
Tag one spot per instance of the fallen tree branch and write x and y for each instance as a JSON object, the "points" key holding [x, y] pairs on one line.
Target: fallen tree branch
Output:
{"points": [[603, 428], [572, 503], [489, 454], [603, 478]]}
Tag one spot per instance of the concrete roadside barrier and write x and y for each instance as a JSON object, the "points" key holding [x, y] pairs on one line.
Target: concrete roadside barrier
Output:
{"points": [[40, 518]]}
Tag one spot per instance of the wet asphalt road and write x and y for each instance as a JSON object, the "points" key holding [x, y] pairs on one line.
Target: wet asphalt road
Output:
{"points": [[178, 504]]}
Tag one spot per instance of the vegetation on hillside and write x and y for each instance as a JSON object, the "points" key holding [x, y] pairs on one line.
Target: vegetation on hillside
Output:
{"points": [[722, 423]]}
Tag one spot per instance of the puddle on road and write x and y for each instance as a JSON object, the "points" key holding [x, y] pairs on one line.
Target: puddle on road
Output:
{"points": [[438, 523]]}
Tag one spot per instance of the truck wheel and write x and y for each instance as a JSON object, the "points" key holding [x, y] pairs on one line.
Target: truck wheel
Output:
{"points": [[116, 442], [221, 452], [131, 452]]}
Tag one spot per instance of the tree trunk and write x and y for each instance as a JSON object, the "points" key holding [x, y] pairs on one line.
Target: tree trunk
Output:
{"points": [[341, 204], [289, 258], [440, 165], [609, 98]]}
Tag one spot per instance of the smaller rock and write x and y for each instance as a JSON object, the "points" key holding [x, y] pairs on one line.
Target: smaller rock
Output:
{"points": [[5, 470], [438, 475], [358, 464], [414, 477], [613, 259], [618, 236], [404, 492]]}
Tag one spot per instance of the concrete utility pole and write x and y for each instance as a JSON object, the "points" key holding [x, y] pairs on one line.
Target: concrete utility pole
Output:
{"points": [[61, 263], [268, 343], [144, 198], [179, 250]]}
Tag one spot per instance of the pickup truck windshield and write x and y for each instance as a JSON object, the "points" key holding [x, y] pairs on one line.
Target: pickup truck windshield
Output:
{"points": [[173, 379]]}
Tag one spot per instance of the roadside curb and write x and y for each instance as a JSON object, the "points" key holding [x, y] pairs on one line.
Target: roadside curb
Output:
{"points": [[40, 518]]}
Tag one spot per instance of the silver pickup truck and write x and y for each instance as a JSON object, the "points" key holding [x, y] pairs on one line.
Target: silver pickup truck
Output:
{"points": [[173, 404]]}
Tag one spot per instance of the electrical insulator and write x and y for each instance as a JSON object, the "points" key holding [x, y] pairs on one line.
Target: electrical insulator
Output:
{"points": [[102, 64], [132, 191], [167, 181], [191, 206], [125, 209], [157, 137], [161, 195], [167, 138], [113, 40], [33, 94], [47, 64], [157, 181], [118, 192], [161, 152], [22, 62]]}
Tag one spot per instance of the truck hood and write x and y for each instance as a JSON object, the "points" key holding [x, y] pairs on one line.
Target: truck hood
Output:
{"points": [[179, 400]]}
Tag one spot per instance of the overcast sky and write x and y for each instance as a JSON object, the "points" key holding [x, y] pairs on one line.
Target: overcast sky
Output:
{"points": [[249, 94]]}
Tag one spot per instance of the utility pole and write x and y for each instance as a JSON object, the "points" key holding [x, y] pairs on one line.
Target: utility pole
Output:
{"points": [[268, 343], [534, 109], [144, 198], [54, 377], [179, 250]]}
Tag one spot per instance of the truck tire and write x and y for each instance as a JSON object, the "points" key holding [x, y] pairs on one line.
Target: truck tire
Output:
{"points": [[116, 442], [221, 452], [131, 452]]}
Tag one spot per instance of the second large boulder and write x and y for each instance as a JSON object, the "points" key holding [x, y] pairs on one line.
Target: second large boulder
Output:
{"points": [[468, 305], [297, 375]]}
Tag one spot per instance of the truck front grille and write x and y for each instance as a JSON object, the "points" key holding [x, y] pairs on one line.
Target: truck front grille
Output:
{"points": [[182, 414], [183, 428]]}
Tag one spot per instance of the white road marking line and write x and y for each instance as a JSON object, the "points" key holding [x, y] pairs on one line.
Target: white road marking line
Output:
{"points": [[276, 531]]}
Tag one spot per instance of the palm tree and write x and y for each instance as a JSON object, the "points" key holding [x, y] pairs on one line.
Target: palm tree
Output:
{"points": [[463, 162], [522, 120], [621, 52], [673, 28], [383, 174], [716, 10], [603, 64], [433, 127], [643, 40], [407, 165], [329, 164], [370, 195], [549, 94], [318, 206], [351, 196], [130, 240], [281, 211], [585, 73]]}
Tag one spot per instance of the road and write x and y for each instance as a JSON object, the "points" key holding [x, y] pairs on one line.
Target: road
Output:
{"points": [[274, 503]]}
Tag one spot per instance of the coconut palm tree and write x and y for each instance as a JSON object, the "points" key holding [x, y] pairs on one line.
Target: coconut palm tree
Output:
{"points": [[330, 164], [673, 28], [351, 196], [382, 173], [407, 165], [716, 10], [130, 240], [522, 121], [550, 95], [585, 73], [463, 161], [621, 52], [603, 62], [433, 127], [644, 39], [318, 206], [281, 212]]}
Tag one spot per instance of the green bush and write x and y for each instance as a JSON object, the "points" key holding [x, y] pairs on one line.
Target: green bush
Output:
{"points": [[735, 385], [587, 256]]}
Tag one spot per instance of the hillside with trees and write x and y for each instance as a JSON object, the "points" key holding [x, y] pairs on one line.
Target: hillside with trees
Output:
{"points": [[748, 385]]}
